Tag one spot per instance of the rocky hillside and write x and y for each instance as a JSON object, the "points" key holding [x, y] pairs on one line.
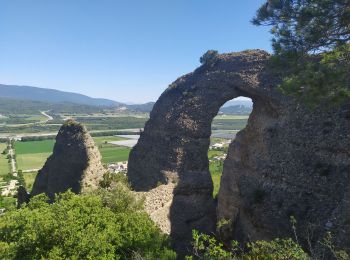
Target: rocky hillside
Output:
{"points": [[74, 164], [288, 161]]}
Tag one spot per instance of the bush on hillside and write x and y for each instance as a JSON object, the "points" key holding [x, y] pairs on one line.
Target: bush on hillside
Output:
{"points": [[208, 247], [90, 226], [209, 57]]}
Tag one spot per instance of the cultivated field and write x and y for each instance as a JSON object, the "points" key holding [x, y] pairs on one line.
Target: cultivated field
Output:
{"points": [[229, 123], [33, 154], [109, 152], [115, 154], [232, 117], [22, 119], [4, 165]]}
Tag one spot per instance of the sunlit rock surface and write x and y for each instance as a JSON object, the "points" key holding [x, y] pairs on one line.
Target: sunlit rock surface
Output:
{"points": [[288, 161], [74, 164]]}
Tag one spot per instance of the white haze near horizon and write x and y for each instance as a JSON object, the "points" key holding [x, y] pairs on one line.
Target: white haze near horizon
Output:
{"points": [[245, 99]]}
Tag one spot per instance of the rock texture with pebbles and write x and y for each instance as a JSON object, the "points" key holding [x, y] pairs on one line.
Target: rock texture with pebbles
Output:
{"points": [[157, 205], [289, 160]]}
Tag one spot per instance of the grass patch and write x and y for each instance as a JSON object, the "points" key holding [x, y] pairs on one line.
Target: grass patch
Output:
{"points": [[215, 169], [213, 153], [114, 154], [4, 165], [33, 154], [29, 178], [31, 161], [111, 153], [32, 147]]}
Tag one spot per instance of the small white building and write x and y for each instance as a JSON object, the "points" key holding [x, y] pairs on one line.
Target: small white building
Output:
{"points": [[10, 189], [118, 167], [217, 146]]}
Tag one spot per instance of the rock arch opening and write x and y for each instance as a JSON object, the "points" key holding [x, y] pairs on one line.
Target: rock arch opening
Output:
{"points": [[231, 118]]}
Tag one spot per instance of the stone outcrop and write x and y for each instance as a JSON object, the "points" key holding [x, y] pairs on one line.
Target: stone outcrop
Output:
{"points": [[157, 204], [288, 161], [74, 164]]}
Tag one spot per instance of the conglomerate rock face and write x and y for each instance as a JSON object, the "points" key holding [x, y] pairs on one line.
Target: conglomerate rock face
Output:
{"points": [[74, 164], [288, 161]]}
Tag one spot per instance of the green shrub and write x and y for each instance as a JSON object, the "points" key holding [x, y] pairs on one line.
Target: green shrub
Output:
{"points": [[209, 57], [89, 226], [208, 247]]}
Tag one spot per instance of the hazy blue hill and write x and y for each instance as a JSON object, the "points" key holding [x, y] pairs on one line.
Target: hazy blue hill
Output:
{"points": [[52, 96], [246, 103], [236, 110], [16, 106], [147, 107]]}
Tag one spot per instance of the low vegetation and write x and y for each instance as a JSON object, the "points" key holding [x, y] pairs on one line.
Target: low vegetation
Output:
{"points": [[210, 57], [4, 165], [208, 247], [100, 225]]}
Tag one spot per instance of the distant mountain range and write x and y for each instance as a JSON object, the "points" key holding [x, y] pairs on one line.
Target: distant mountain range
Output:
{"points": [[239, 102], [29, 98], [52, 96], [236, 110], [15, 98]]}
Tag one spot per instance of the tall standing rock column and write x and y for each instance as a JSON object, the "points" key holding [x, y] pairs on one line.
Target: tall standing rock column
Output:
{"points": [[74, 164]]}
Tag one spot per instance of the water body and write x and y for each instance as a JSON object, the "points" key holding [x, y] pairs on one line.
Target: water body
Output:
{"points": [[224, 134], [131, 142]]}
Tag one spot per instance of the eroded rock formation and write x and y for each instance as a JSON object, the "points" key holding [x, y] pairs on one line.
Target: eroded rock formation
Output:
{"points": [[288, 160], [74, 164]]}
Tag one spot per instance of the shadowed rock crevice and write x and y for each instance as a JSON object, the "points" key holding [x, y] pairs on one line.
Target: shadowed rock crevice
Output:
{"points": [[288, 161]]}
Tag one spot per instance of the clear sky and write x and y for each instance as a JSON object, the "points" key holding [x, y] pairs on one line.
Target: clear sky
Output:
{"points": [[126, 50]]}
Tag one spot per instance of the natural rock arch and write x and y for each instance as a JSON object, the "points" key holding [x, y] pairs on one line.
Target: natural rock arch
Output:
{"points": [[279, 165], [175, 141]]}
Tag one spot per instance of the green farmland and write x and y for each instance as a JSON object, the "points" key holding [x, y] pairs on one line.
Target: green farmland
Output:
{"points": [[33, 154], [110, 152], [32, 147], [114, 154], [216, 169], [4, 165]]}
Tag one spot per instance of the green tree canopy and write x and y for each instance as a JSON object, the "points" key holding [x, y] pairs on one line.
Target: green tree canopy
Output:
{"points": [[311, 46], [90, 226]]}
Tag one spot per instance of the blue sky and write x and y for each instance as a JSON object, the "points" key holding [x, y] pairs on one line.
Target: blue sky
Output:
{"points": [[123, 50]]}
